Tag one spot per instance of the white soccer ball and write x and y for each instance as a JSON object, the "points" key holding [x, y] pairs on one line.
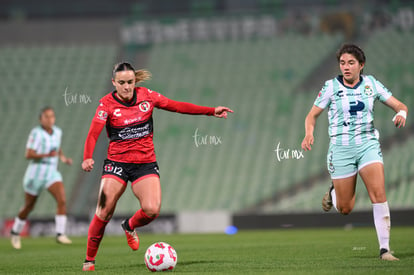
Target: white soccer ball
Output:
{"points": [[160, 256]]}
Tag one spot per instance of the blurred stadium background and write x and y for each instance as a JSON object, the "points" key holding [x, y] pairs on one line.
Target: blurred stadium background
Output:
{"points": [[266, 59]]}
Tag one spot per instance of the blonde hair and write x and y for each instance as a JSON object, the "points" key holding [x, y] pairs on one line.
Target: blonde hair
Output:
{"points": [[142, 75]]}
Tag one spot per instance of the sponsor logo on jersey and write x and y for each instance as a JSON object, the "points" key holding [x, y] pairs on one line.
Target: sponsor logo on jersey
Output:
{"points": [[356, 106], [340, 93], [135, 132], [144, 106], [132, 120], [117, 112], [368, 91]]}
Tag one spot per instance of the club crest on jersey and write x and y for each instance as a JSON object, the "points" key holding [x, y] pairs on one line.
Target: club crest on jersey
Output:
{"points": [[102, 115], [144, 106], [368, 90]]}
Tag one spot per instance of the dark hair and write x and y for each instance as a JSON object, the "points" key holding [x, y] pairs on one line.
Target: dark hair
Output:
{"points": [[44, 109], [351, 49], [140, 75], [123, 66]]}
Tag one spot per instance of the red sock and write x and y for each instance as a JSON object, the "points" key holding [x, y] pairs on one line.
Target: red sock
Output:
{"points": [[95, 235], [140, 219]]}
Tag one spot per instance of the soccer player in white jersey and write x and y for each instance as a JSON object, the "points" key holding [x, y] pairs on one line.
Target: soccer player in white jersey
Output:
{"points": [[354, 147], [43, 152]]}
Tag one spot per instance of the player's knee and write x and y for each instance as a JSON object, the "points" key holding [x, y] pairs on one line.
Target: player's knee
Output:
{"points": [[152, 210], [345, 210]]}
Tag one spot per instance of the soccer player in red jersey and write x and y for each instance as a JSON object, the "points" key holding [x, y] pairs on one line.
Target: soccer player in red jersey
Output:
{"points": [[127, 115]]}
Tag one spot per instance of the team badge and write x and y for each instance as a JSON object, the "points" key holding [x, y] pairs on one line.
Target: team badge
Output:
{"points": [[102, 115], [368, 90], [144, 106], [109, 168]]}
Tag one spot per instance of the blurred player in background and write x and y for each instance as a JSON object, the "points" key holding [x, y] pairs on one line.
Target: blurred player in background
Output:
{"points": [[354, 147], [127, 115], [43, 152]]}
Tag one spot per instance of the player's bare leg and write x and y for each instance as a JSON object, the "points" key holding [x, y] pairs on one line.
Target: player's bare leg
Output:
{"points": [[343, 194], [29, 204], [373, 177], [57, 190], [110, 192], [148, 192]]}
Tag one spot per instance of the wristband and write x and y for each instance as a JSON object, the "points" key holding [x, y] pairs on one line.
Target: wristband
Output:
{"points": [[400, 113]]}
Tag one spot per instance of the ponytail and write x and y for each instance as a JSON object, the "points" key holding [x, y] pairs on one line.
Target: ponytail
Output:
{"points": [[140, 75]]}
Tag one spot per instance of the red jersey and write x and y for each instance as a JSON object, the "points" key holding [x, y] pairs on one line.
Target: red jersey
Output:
{"points": [[129, 125]]}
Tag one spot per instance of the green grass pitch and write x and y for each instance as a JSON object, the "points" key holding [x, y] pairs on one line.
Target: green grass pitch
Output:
{"points": [[284, 251]]}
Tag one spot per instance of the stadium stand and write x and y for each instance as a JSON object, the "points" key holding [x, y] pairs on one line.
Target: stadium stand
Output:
{"points": [[394, 69], [398, 182], [257, 79], [216, 72], [205, 163], [70, 78]]}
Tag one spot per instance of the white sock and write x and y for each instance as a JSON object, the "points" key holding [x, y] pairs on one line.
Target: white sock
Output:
{"points": [[18, 225], [382, 223], [60, 221], [333, 196]]}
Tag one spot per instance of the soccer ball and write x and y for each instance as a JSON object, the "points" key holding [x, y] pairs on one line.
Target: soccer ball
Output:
{"points": [[160, 257]]}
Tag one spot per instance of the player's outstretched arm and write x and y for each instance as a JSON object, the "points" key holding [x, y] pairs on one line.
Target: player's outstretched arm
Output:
{"points": [[222, 111]]}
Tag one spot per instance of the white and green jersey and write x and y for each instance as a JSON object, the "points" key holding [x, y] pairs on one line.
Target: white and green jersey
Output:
{"points": [[351, 110], [43, 143]]}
